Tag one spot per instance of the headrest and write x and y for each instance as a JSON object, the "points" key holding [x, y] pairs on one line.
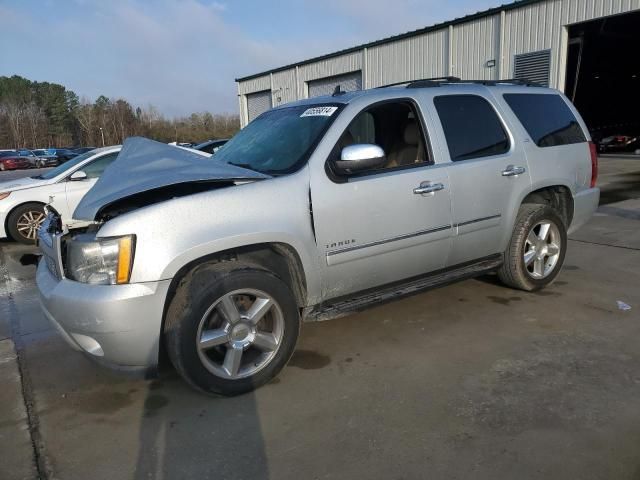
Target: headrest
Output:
{"points": [[412, 134]]}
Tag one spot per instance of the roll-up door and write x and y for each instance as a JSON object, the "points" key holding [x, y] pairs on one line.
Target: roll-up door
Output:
{"points": [[326, 86], [258, 103]]}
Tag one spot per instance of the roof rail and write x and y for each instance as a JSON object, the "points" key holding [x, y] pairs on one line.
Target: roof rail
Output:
{"points": [[433, 80], [436, 82]]}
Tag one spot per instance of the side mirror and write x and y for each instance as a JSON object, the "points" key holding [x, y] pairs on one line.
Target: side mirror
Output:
{"points": [[78, 176], [360, 157]]}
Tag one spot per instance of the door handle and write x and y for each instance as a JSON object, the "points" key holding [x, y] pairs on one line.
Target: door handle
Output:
{"points": [[428, 187], [512, 171]]}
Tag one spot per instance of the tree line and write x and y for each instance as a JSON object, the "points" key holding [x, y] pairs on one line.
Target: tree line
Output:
{"points": [[43, 114]]}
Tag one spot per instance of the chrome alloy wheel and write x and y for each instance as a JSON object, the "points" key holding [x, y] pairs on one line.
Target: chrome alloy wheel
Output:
{"points": [[240, 334], [29, 223], [542, 249]]}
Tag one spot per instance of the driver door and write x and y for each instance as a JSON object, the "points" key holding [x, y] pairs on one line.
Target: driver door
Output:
{"points": [[375, 227]]}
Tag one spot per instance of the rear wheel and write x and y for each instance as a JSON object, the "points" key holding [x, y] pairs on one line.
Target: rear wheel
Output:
{"points": [[537, 248], [24, 222], [231, 328]]}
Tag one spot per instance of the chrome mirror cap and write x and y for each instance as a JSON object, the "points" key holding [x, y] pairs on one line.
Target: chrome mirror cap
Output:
{"points": [[359, 157]]}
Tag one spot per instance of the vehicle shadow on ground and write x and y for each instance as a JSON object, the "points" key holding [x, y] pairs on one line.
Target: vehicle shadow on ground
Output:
{"points": [[187, 434]]}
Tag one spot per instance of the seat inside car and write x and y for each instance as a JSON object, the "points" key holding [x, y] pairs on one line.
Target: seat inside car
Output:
{"points": [[410, 150]]}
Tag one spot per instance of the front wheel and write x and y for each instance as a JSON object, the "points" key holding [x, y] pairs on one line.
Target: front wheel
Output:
{"points": [[536, 250], [231, 328]]}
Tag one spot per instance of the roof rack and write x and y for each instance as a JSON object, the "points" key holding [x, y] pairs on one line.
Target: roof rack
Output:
{"points": [[436, 82]]}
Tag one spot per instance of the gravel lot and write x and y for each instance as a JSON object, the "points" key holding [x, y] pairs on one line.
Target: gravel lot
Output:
{"points": [[468, 381]]}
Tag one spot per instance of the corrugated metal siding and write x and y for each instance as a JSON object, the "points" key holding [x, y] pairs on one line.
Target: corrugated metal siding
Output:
{"points": [[474, 44], [284, 87], [530, 28], [408, 59], [254, 85], [331, 67], [326, 86]]}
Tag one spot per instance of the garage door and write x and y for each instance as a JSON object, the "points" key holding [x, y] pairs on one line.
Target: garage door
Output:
{"points": [[258, 103], [534, 66], [326, 86]]}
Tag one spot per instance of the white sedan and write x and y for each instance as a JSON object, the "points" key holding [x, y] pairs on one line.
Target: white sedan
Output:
{"points": [[22, 201]]}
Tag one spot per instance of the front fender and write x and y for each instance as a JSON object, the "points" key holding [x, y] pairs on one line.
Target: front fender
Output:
{"points": [[174, 233]]}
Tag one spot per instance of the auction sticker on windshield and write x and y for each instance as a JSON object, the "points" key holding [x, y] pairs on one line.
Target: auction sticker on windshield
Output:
{"points": [[319, 112]]}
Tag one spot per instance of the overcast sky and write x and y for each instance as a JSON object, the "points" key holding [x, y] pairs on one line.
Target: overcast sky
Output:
{"points": [[183, 55]]}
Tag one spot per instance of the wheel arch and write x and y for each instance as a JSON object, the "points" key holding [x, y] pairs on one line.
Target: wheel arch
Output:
{"points": [[556, 194], [14, 208], [280, 258], [558, 197]]}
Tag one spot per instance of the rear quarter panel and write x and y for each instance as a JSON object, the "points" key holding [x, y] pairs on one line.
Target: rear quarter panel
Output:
{"points": [[564, 165]]}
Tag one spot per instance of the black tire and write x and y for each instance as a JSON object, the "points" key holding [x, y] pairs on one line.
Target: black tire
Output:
{"points": [[197, 292], [513, 271], [14, 217]]}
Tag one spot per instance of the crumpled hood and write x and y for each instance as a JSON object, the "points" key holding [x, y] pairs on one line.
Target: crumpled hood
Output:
{"points": [[145, 165], [20, 184]]}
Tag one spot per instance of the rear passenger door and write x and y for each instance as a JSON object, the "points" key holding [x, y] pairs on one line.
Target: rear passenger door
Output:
{"points": [[488, 174]]}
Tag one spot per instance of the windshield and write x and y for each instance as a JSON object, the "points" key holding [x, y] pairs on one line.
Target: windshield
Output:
{"points": [[8, 154], [60, 169], [279, 141]]}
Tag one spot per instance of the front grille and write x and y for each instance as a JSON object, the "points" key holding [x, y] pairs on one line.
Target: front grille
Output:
{"points": [[51, 265]]}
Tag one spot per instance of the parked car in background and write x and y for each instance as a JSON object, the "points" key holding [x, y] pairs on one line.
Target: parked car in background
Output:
{"points": [[314, 210], [81, 150], [619, 143], [14, 160], [210, 146], [45, 158], [64, 154], [33, 158], [22, 201]]}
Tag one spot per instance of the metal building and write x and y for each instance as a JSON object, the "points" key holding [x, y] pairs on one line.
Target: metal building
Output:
{"points": [[560, 43]]}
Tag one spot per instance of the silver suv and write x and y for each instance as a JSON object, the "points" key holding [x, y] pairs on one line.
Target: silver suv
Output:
{"points": [[316, 209]]}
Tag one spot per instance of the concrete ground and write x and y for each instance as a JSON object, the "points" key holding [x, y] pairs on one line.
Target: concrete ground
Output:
{"points": [[468, 381]]}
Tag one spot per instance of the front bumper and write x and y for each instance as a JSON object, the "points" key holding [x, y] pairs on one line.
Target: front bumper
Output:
{"points": [[117, 325], [585, 203]]}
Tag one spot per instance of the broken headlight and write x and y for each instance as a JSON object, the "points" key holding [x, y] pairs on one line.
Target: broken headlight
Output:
{"points": [[99, 261]]}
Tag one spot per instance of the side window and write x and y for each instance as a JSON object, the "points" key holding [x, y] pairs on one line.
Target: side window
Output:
{"points": [[395, 128], [547, 119], [471, 126], [94, 169]]}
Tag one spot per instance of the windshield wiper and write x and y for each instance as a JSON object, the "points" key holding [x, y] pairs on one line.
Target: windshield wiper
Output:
{"points": [[37, 177]]}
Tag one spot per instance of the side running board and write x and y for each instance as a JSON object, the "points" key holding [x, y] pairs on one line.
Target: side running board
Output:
{"points": [[363, 300]]}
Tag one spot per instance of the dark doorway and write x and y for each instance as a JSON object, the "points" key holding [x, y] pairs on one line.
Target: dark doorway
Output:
{"points": [[603, 74]]}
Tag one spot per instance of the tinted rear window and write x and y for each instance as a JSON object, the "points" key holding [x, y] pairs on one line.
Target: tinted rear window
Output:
{"points": [[471, 126], [547, 119]]}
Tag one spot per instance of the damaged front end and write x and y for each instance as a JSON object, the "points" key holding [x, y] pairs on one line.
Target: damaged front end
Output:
{"points": [[145, 173], [148, 172]]}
